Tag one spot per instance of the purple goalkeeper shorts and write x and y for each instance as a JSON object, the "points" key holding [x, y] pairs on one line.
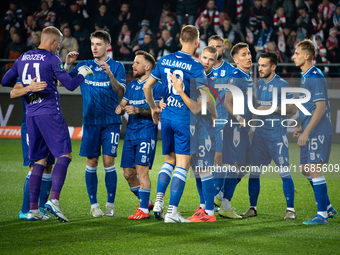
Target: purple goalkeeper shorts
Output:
{"points": [[48, 132]]}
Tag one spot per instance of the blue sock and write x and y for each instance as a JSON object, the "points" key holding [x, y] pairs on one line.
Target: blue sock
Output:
{"points": [[45, 189], [177, 185], [91, 181], [135, 190], [309, 178], [208, 190], [288, 188], [199, 187], [230, 183], [144, 195], [111, 183], [26, 199], [163, 181], [320, 193], [253, 189], [219, 180]]}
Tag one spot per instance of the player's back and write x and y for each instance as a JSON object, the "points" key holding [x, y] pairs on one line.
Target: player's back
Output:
{"points": [[271, 123], [44, 65], [183, 65], [314, 81]]}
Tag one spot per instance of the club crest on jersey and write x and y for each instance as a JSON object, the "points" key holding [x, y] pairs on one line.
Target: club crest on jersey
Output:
{"points": [[143, 159], [312, 156], [113, 150], [222, 73], [270, 89], [285, 140], [236, 137], [208, 143], [321, 138], [192, 130], [281, 161]]}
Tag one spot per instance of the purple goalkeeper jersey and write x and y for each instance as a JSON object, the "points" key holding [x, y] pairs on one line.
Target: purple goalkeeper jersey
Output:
{"points": [[46, 66]]}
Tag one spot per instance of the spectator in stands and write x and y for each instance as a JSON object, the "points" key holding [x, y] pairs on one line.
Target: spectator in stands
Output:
{"points": [[227, 47], [172, 25], [30, 28], [327, 9], [44, 17], [103, 16], [165, 44], [320, 54], [318, 23], [124, 17], [288, 8], [257, 13], [124, 44], [312, 6], [303, 23], [211, 12], [111, 6], [227, 32], [282, 40], [13, 17], [206, 30], [35, 40], [159, 22], [72, 13], [332, 43], [239, 11], [279, 18], [336, 17], [67, 44], [83, 38], [184, 7], [8, 40], [147, 45], [139, 38], [271, 46], [63, 24], [267, 34], [15, 49]]}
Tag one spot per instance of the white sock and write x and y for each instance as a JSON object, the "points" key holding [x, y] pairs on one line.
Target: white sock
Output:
{"points": [[209, 212], [144, 210], [55, 201], [94, 205], [323, 214], [35, 211], [159, 197], [253, 207], [202, 206], [329, 206], [220, 195], [290, 209], [172, 209], [112, 205], [226, 204]]}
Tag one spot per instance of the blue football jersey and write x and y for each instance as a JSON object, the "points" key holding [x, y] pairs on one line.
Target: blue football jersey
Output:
{"points": [[265, 98], [99, 99], [221, 73], [314, 81], [141, 126], [243, 81], [182, 64]]}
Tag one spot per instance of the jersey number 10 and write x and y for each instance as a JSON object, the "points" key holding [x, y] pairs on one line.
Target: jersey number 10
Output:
{"points": [[172, 90]]}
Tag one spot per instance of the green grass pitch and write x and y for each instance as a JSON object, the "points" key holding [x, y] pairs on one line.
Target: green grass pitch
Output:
{"points": [[267, 233]]}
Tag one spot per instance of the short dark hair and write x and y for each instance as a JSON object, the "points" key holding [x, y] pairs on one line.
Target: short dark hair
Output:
{"points": [[148, 57], [101, 34], [237, 47], [189, 33], [216, 37], [212, 50], [307, 45], [272, 56]]}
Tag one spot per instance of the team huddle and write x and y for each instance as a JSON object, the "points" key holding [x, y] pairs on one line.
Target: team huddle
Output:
{"points": [[187, 97]]}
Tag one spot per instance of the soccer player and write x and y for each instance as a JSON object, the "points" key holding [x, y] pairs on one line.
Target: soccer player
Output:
{"points": [[236, 142], [222, 70], [175, 120], [316, 131], [18, 91], [141, 133], [270, 141], [203, 159], [101, 95], [46, 125]]}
